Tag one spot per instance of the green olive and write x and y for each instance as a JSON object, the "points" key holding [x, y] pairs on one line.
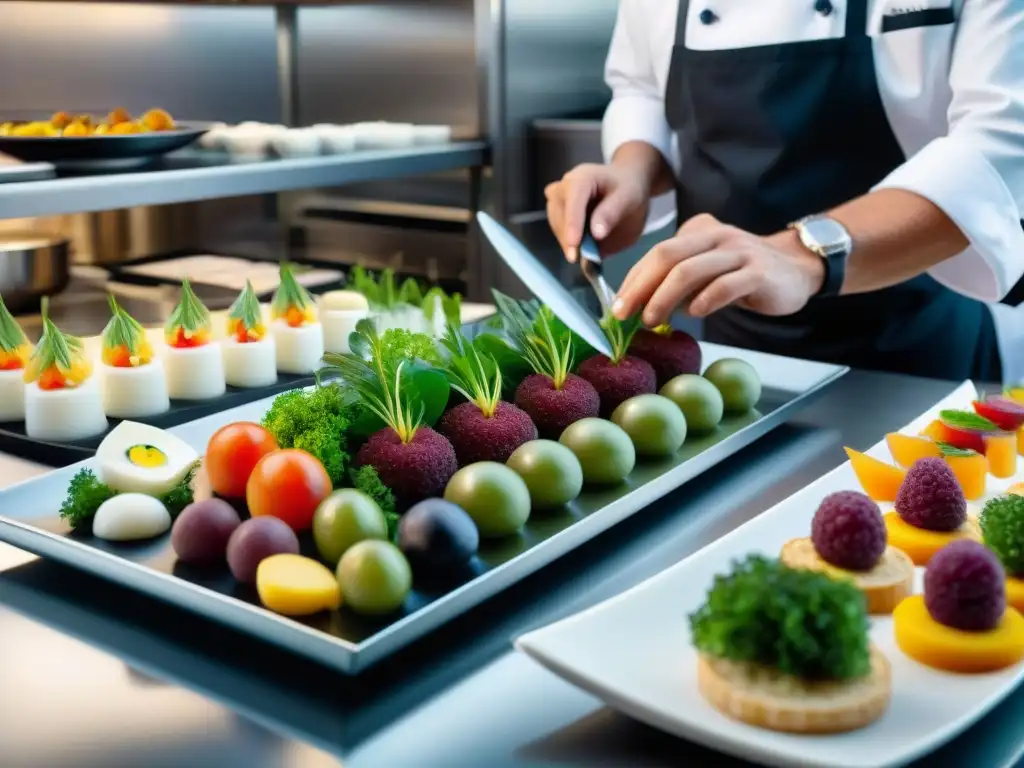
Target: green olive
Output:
{"points": [[654, 423], [605, 451], [737, 381], [344, 518], [493, 495], [698, 399], [551, 471], [375, 578]]}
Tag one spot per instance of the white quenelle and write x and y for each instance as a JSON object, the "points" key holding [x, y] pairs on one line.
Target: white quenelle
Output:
{"points": [[193, 360], [340, 311], [298, 335], [132, 379], [15, 352], [131, 517], [250, 354], [138, 458]]}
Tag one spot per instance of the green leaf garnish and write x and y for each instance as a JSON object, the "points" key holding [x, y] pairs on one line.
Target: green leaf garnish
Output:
{"points": [[513, 365], [388, 291], [123, 330], [548, 351], [799, 622], [246, 308], [947, 449], [289, 294], [475, 377], [1002, 530], [12, 337], [55, 349], [363, 282], [402, 394], [191, 315], [620, 334], [968, 420], [410, 293]]}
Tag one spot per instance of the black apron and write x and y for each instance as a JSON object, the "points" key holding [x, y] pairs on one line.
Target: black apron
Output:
{"points": [[772, 133]]}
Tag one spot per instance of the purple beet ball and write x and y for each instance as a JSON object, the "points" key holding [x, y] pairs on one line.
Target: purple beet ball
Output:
{"points": [[201, 532], [254, 541], [930, 497], [848, 531], [964, 587]]}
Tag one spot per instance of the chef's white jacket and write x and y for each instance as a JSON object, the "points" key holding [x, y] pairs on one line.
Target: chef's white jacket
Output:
{"points": [[954, 95]]}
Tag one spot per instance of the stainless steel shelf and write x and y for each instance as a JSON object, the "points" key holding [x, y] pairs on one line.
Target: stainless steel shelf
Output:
{"points": [[193, 175]]}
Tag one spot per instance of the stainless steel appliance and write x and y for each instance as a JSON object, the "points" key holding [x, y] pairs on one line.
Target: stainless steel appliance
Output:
{"points": [[32, 265]]}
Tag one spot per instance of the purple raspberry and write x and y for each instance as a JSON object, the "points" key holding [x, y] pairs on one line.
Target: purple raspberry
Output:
{"points": [[931, 498], [848, 531], [964, 587]]}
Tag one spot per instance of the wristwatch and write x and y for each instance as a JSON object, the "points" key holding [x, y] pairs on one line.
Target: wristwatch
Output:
{"points": [[827, 238]]}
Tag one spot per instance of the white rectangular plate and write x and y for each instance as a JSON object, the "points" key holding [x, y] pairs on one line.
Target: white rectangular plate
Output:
{"points": [[634, 651]]}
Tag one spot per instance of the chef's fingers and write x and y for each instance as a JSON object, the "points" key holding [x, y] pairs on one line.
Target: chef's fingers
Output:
{"points": [[647, 274], [581, 186], [610, 211], [727, 289], [687, 279], [556, 215]]}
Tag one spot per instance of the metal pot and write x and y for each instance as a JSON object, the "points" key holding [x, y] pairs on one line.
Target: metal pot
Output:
{"points": [[32, 265]]}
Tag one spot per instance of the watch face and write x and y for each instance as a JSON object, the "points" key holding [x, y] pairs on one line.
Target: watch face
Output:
{"points": [[827, 233]]}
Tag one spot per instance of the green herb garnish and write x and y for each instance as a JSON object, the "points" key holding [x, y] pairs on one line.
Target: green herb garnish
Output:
{"points": [[289, 294], [86, 494], [367, 480], [967, 420], [947, 449], [12, 337], [410, 292], [475, 377], [450, 306], [801, 623], [547, 349], [55, 349], [246, 309], [397, 343], [123, 330], [400, 393], [620, 334], [388, 291], [190, 316], [1002, 530], [317, 421], [363, 282]]}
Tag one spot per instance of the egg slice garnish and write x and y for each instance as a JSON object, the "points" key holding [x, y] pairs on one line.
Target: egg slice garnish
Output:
{"points": [[138, 458]]}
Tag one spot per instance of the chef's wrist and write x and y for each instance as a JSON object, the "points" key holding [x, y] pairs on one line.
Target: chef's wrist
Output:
{"points": [[810, 265], [646, 166]]}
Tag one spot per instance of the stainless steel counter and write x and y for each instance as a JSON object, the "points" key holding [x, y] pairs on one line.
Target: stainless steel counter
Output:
{"points": [[96, 677]]}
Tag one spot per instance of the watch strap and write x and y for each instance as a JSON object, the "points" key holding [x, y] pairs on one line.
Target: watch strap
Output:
{"points": [[834, 257]]}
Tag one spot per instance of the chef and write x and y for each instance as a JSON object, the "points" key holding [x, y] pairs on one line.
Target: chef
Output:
{"points": [[848, 177]]}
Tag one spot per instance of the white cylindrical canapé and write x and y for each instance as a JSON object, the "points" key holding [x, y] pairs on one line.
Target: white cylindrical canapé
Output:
{"points": [[299, 349], [195, 373], [131, 393], [64, 414], [12, 395], [338, 324], [253, 364]]}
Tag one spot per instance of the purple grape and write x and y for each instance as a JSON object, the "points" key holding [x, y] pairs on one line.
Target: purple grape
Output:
{"points": [[254, 541]]}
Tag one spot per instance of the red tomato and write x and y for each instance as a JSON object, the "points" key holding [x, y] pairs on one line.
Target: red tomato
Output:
{"points": [[232, 453], [288, 484]]}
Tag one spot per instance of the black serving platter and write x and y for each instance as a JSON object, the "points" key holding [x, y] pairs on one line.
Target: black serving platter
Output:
{"points": [[15, 441], [104, 152]]}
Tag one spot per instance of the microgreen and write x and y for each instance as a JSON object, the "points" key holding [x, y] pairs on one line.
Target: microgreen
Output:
{"points": [[122, 330], [246, 308], [56, 349], [190, 315], [474, 376], [289, 294], [620, 334], [12, 337], [548, 351], [400, 393]]}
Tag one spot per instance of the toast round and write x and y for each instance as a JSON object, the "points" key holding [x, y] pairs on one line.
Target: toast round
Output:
{"points": [[770, 699], [885, 586]]}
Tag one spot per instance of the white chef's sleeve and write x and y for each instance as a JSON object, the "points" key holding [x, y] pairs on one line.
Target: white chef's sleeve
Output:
{"points": [[975, 174], [637, 108]]}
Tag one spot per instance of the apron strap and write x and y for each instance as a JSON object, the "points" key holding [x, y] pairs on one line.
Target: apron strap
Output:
{"points": [[856, 18], [684, 10]]}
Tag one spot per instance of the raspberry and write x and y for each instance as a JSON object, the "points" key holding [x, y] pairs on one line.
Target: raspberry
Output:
{"points": [[931, 498], [964, 587], [848, 531]]}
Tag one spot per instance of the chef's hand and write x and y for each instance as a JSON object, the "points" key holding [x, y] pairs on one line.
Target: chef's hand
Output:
{"points": [[622, 198], [709, 265]]}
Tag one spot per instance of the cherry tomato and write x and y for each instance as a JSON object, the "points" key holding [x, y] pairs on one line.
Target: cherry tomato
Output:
{"points": [[288, 484], [232, 453]]}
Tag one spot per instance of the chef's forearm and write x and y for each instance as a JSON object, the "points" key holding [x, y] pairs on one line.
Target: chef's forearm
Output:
{"points": [[896, 235], [643, 159]]}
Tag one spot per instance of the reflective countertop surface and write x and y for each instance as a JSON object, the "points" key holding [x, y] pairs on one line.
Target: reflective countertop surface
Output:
{"points": [[94, 676]]}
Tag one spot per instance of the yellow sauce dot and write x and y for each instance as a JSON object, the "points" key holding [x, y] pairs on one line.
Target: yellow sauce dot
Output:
{"points": [[146, 456]]}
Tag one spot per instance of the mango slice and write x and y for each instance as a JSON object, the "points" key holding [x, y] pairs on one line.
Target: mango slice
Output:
{"points": [[925, 640], [293, 585], [906, 449], [1015, 592], [1001, 452], [1020, 441], [880, 481], [919, 544], [971, 472]]}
